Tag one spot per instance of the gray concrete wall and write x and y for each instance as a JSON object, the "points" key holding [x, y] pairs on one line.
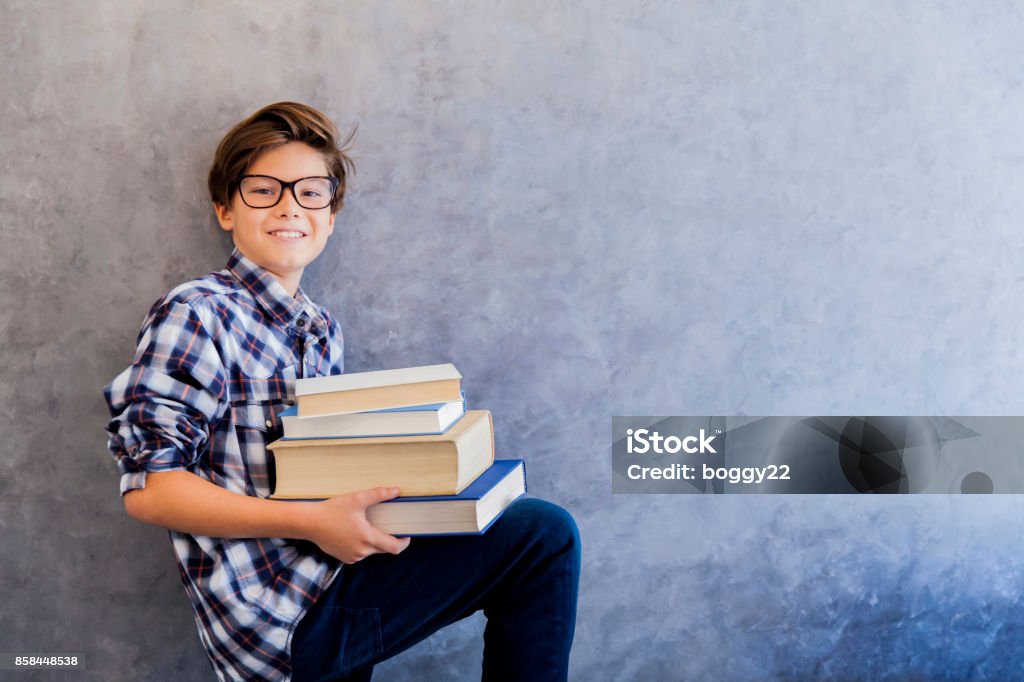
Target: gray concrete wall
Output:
{"points": [[591, 208]]}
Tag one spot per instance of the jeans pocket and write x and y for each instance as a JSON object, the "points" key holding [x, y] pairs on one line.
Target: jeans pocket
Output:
{"points": [[339, 642]]}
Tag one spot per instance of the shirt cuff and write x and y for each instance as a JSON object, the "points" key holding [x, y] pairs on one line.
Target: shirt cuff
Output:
{"points": [[144, 461], [136, 480], [133, 481]]}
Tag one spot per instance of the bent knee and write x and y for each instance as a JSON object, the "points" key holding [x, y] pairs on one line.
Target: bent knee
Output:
{"points": [[547, 523]]}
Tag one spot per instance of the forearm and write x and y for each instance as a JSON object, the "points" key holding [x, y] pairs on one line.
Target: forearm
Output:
{"points": [[182, 501]]}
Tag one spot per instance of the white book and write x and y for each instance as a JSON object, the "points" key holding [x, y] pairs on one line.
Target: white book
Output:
{"points": [[378, 390]]}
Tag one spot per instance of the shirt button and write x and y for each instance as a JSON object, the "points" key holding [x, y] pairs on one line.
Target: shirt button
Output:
{"points": [[301, 323], [269, 423]]}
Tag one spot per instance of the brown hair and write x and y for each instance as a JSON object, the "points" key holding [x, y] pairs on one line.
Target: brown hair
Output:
{"points": [[273, 126]]}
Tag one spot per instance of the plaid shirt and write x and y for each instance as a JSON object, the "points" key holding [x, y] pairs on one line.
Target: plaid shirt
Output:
{"points": [[216, 363]]}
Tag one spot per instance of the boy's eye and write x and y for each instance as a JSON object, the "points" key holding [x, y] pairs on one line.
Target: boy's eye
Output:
{"points": [[314, 188], [260, 186]]}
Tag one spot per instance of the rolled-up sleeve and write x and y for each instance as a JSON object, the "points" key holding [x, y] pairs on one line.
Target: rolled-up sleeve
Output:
{"points": [[164, 406]]}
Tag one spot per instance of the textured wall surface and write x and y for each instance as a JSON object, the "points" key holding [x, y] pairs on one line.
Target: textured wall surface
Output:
{"points": [[592, 209]]}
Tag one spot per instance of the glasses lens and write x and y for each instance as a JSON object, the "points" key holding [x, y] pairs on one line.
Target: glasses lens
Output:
{"points": [[260, 192], [314, 192]]}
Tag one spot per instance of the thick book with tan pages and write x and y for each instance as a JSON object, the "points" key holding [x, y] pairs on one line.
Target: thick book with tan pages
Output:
{"points": [[441, 464]]}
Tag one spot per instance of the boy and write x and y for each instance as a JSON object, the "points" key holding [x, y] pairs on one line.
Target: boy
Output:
{"points": [[303, 590]]}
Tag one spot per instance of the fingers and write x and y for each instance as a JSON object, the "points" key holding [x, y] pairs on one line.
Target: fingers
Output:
{"points": [[377, 539], [365, 498], [387, 543], [359, 539]]}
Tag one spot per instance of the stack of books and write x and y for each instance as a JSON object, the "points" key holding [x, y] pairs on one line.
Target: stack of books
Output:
{"points": [[405, 428]]}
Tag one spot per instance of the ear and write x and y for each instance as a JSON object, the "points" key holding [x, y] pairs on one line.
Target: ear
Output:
{"points": [[224, 217], [330, 224]]}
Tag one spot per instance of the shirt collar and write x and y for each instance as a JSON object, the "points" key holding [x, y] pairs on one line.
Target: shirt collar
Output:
{"points": [[298, 312]]}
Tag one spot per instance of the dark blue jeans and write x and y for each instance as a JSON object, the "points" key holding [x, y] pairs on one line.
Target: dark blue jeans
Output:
{"points": [[523, 573]]}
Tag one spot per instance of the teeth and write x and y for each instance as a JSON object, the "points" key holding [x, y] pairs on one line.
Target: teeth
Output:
{"points": [[290, 235]]}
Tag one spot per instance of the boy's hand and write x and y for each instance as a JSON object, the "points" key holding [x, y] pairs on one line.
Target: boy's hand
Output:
{"points": [[339, 526]]}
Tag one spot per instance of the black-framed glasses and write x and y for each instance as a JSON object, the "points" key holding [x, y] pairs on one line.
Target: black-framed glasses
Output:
{"points": [[264, 191]]}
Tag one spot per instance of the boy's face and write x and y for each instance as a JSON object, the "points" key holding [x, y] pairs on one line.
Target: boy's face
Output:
{"points": [[285, 238]]}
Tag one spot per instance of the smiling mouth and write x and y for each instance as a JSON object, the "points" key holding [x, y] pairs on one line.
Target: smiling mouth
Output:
{"points": [[287, 234]]}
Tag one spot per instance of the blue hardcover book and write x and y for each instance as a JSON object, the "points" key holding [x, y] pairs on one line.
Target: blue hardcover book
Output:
{"points": [[419, 420], [471, 512]]}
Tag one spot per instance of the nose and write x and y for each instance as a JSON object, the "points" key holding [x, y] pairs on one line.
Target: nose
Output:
{"points": [[289, 205]]}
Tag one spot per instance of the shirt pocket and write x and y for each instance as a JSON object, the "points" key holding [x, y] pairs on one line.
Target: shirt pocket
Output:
{"points": [[260, 420], [256, 406], [278, 388]]}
